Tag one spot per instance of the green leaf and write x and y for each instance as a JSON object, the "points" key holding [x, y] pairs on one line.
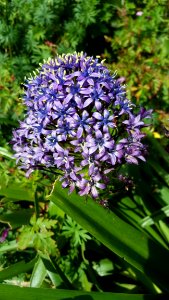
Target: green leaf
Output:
{"points": [[39, 274], [10, 246], [130, 212], [17, 191], [18, 268], [165, 230], [160, 171], [26, 238], [18, 218], [6, 153], [54, 210], [104, 267], [74, 231], [155, 217], [7, 292], [129, 243], [164, 194], [53, 268], [39, 234], [55, 278]]}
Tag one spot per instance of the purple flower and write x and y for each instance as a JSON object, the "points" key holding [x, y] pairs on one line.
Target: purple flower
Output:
{"points": [[114, 155], [91, 186], [78, 121], [82, 123], [62, 158], [124, 104], [61, 111], [71, 178], [65, 129], [96, 96], [52, 141], [4, 235], [105, 120], [133, 123], [101, 142], [90, 160], [132, 154]]}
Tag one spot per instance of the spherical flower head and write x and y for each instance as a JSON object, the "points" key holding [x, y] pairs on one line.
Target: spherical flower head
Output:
{"points": [[78, 120]]}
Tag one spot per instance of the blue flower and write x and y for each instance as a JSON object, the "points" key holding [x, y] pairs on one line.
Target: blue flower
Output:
{"points": [[52, 142], [82, 123], [105, 120], [101, 142], [79, 121]]}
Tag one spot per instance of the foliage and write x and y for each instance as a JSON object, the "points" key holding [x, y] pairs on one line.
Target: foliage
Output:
{"points": [[38, 233], [74, 231], [140, 45], [31, 31]]}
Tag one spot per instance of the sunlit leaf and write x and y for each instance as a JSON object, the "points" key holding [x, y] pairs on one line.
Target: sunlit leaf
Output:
{"points": [[39, 273]]}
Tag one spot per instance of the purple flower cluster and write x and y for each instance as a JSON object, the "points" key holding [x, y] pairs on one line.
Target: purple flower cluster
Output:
{"points": [[78, 120]]}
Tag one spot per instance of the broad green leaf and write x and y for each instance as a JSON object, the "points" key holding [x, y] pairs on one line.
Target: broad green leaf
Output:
{"points": [[17, 191], [16, 269], [55, 210], [86, 284], [8, 292], [18, 218], [38, 275], [129, 243]]}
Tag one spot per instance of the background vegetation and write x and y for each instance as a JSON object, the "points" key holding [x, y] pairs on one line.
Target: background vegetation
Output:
{"points": [[44, 242]]}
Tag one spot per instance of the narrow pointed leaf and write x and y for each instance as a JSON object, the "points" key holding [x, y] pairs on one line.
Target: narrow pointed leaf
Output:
{"points": [[52, 268], [39, 274], [4, 152], [7, 292], [16, 269], [126, 241]]}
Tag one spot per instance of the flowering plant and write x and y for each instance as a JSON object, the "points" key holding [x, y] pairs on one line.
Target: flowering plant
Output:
{"points": [[80, 122]]}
